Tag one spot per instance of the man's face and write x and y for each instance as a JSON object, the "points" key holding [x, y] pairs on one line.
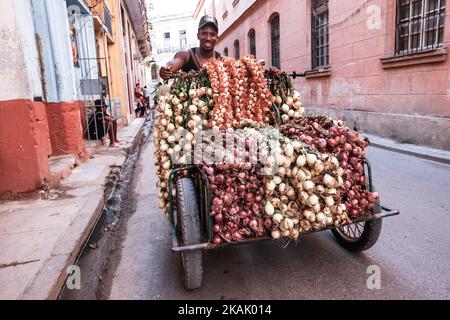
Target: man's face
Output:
{"points": [[208, 38]]}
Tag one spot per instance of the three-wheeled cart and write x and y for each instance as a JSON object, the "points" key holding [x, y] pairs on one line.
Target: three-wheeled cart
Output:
{"points": [[191, 222]]}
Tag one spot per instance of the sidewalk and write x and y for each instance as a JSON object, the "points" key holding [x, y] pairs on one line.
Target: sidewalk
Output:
{"points": [[41, 238], [410, 149]]}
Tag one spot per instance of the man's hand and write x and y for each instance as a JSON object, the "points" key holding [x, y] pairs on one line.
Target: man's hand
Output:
{"points": [[272, 71], [166, 72]]}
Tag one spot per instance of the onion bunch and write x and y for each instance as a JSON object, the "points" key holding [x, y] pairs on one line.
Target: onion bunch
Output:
{"points": [[237, 202], [336, 138], [180, 114], [285, 97], [240, 92], [303, 192]]}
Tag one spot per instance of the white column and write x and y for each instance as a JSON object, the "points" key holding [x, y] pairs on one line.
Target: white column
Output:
{"points": [[52, 26]]}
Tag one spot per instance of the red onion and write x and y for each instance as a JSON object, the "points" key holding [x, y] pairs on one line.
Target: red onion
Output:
{"points": [[216, 228], [351, 194], [237, 236], [242, 214], [357, 151], [234, 211], [220, 179], [230, 190], [332, 143], [322, 143], [242, 188], [227, 199], [217, 240], [256, 208], [347, 184], [218, 218], [359, 168], [253, 224], [217, 202]]}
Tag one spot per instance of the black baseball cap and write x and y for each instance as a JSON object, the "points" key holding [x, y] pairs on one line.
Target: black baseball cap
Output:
{"points": [[208, 20]]}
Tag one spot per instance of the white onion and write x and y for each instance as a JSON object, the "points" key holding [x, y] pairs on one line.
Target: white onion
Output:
{"points": [[277, 180], [308, 185], [329, 201], [328, 180], [269, 209], [276, 234], [313, 200], [277, 218], [288, 150], [301, 160]]}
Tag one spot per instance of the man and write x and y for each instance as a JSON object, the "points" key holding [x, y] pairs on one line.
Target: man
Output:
{"points": [[195, 58], [140, 101], [109, 121]]}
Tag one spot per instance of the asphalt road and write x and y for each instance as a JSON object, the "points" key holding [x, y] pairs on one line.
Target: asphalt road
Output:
{"points": [[413, 250]]}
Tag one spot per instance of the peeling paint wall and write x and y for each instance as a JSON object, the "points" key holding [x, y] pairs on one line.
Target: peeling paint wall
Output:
{"points": [[19, 67]]}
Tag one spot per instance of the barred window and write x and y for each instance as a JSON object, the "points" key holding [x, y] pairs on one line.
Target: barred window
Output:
{"points": [[275, 43], [320, 39], [252, 41], [420, 25]]}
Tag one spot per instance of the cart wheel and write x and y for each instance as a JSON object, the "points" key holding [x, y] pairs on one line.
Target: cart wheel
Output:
{"points": [[188, 224], [359, 236]]}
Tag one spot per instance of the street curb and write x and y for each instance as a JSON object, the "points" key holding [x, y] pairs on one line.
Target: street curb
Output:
{"points": [[56, 266], [411, 153], [427, 153]]}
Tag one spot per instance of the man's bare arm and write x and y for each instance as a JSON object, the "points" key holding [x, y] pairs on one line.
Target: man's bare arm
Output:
{"points": [[174, 65]]}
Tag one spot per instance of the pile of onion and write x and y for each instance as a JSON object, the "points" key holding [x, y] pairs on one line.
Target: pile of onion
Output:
{"points": [[303, 190], [236, 207], [335, 137]]}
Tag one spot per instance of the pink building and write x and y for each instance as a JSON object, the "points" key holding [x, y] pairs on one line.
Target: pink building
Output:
{"points": [[380, 64]]}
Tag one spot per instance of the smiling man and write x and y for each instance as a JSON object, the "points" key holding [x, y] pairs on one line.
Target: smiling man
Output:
{"points": [[195, 58]]}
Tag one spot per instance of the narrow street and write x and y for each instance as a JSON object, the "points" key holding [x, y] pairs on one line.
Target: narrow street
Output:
{"points": [[412, 251]]}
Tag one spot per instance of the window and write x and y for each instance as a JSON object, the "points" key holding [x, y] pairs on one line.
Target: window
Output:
{"points": [[237, 49], [183, 39], [252, 41], [319, 44], [225, 52], [275, 40], [167, 40], [420, 25]]}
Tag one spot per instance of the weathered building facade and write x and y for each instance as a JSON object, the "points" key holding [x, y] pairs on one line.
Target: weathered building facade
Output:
{"points": [[382, 65], [54, 65]]}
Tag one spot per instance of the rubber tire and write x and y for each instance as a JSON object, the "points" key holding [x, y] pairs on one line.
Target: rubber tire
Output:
{"points": [[188, 223], [368, 238]]}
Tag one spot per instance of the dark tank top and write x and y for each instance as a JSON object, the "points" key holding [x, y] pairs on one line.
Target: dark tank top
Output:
{"points": [[192, 63]]}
